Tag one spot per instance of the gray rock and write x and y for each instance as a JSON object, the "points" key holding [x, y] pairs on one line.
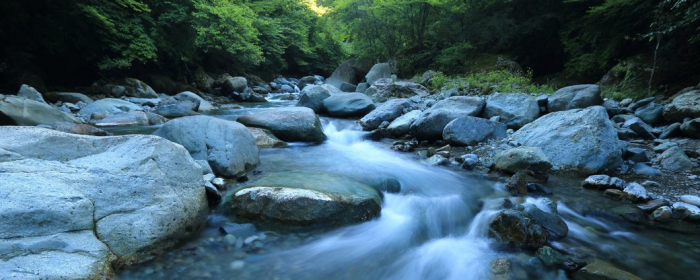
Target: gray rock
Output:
{"points": [[691, 128], [690, 211], [109, 106], [665, 146], [501, 269], [202, 80], [15, 110], [312, 97], [384, 89], [518, 229], [438, 160], [686, 105], [378, 71], [638, 155], [152, 102], [131, 87], [691, 199], [227, 146], [31, 93], [308, 80], [522, 159], [74, 206], [603, 182], [133, 118], [582, 139], [294, 124], [514, 109], [304, 199], [672, 130], [238, 230], [549, 256], [174, 111], [345, 87], [194, 98], [674, 159], [650, 113], [600, 270], [574, 97], [362, 87], [636, 193], [386, 112], [643, 169], [82, 129], [286, 88], [346, 105], [266, 139], [72, 97], [466, 131], [612, 107], [555, 225], [641, 103], [431, 123], [626, 134], [470, 161], [622, 118], [638, 126], [662, 214], [230, 84], [206, 169], [344, 73], [402, 124]]}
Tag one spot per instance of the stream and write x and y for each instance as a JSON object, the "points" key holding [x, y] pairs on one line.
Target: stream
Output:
{"points": [[436, 227]]}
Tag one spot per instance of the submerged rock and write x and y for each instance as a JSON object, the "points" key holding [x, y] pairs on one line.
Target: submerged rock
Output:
{"points": [[518, 229], [294, 124]]}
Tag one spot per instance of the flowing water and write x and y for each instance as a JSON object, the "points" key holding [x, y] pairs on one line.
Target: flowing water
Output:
{"points": [[435, 228]]}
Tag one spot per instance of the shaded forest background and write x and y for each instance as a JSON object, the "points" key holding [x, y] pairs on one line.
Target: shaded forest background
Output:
{"points": [[64, 44]]}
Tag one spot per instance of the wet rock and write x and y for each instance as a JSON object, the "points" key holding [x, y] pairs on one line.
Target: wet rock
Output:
{"points": [[614, 194], [389, 185], [16, 110], [652, 205], [265, 139], [517, 229], [691, 199], [431, 123], [308, 81], [583, 140], [305, 199], [600, 270], [643, 169], [500, 269], [72, 97], [549, 256], [691, 128], [517, 184], [133, 118], [522, 159], [622, 118], [230, 85], [347, 105], [402, 125], [362, 87], [174, 111], [193, 98], [438, 160], [213, 194], [612, 107], [467, 131], [109, 106], [674, 159], [386, 112], [603, 182], [312, 97], [650, 113], [640, 128], [637, 155], [384, 89], [30, 93], [227, 146], [538, 189], [469, 161], [555, 225], [662, 214], [574, 97], [672, 130], [294, 124], [378, 71], [345, 87], [635, 192], [238, 230], [82, 129], [692, 212], [346, 72], [686, 105], [630, 213], [514, 109]]}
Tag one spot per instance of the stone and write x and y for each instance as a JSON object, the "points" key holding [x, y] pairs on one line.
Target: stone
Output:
{"points": [[686, 105], [431, 123], [192, 97], [691, 199], [386, 112], [402, 125], [174, 111], [514, 109], [30, 93], [652, 205], [635, 192], [72, 97], [302, 199], [583, 140], [643, 169], [555, 225], [202, 80], [674, 159], [229, 85], [691, 128], [438, 160], [538, 189], [665, 146], [345, 87], [517, 184], [227, 146], [131, 87], [238, 230], [650, 113], [74, 206], [622, 118], [468, 130], [389, 185], [82, 129], [344, 73], [692, 211], [16, 110], [672, 130], [362, 87], [631, 214], [500, 269], [346, 105], [133, 118], [637, 154], [662, 214], [293, 124], [614, 194], [151, 102], [612, 107], [640, 128], [213, 194], [603, 182], [626, 134], [600, 270], [308, 80], [574, 97], [469, 161], [266, 139], [549, 256], [312, 97], [518, 229], [378, 71], [524, 159], [286, 88], [384, 89], [109, 106]]}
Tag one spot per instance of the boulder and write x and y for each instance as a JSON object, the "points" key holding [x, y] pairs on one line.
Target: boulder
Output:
{"points": [[302, 199], [347, 72], [188, 96], [466, 131], [346, 105], [362, 87], [517, 229], [640, 128], [431, 123], [227, 146], [384, 89], [295, 124], [82, 129], [522, 159], [307, 81], [31, 93], [312, 97], [600, 270], [517, 184], [386, 112], [202, 80], [71, 97], [229, 85], [174, 111], [345, 87], [74, 206], [133, 118], [130, 87], [574, 97], [691, 128], [265, 139], [583, 140], [674, 159], [109, 106], [686, 105], [514, 109], [650, 113], [378, 71], [555, 225], [402, 124], [15, 110]]}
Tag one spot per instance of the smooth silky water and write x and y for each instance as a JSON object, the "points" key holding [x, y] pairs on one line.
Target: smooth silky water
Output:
{"points": [[435, 228]]}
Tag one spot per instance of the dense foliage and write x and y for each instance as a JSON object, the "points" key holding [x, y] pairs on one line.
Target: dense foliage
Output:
{"points": [[69, 42]]}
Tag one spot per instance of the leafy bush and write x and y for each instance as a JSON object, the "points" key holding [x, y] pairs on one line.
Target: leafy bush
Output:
{"points": [[488, 82]]}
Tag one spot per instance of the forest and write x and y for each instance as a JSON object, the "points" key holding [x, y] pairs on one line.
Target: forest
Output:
{"points": [[651, 45]]}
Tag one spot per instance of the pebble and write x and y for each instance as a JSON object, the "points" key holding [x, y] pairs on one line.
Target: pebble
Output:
{"points": [[662, 214], [692, 210], [218, 182], [691, 199], [693, 177]]}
